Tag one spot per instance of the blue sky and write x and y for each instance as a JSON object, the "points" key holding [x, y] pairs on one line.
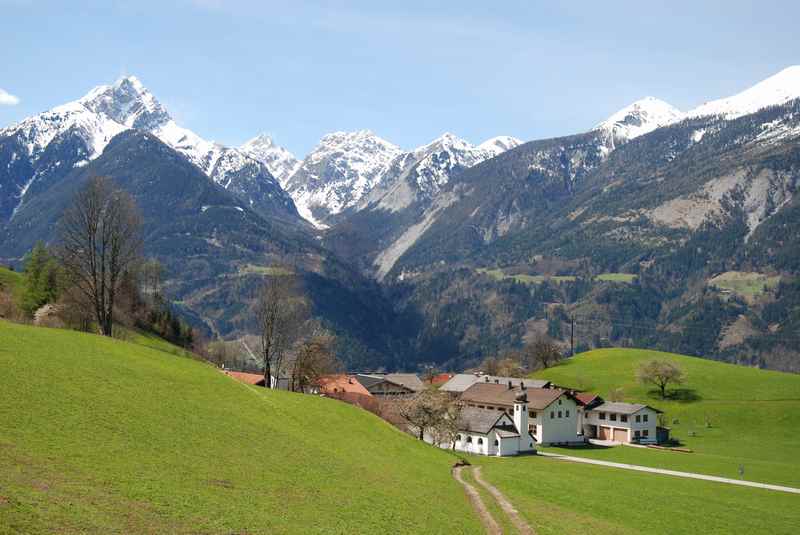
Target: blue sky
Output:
{"points": [[230, 69]]}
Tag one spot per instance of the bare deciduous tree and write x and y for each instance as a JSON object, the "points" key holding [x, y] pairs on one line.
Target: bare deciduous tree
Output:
{"points": [[279, 315], [100, 239], [425, 411], [660, 373], [314, 358], [542, 353]]}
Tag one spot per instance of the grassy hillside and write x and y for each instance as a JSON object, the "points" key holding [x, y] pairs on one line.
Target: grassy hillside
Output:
{"points": [[100, 436], [753, 415], [11, 280], [559, 498]]}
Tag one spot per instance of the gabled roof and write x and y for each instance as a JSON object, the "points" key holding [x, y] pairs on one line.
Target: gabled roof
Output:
{"points": [[588, 398], [497, 394], [408, 380], [623, 408], [441, 378], [516, 381], [339, 383], [461, 381], [368, 380], [478, 420]]}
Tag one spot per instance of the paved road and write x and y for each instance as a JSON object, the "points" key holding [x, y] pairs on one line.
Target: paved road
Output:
{"points": [[690, 475]]}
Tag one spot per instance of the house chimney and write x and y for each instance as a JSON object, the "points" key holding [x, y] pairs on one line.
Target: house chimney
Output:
{"points": [[522, 385], [487, 378], [510, 386]]}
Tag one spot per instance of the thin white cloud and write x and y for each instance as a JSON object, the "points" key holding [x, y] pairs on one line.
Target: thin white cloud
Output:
{"points": [[7, 99]]}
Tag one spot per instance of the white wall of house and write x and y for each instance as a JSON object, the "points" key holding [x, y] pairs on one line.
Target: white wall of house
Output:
{"points": [[474, 443], [645, 424], [558, 423]]}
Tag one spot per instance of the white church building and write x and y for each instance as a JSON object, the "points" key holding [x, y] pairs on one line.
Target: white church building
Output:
{"points": [[495, 433]]}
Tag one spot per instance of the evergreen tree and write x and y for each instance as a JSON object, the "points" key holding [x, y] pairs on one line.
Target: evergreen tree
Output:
{"points": [[41, 279]]}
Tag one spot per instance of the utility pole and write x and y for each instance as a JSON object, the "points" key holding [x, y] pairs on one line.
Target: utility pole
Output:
{"points": [[572, 336]]}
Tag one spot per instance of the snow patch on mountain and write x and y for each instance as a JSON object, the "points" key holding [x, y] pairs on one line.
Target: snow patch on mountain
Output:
{"points": [[280, 162], [424, 171], [775, 90], [108, 110], [341, 169], [500, 144], [639, 118]]}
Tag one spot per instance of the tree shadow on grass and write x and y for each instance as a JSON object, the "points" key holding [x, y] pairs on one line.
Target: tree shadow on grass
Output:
{"points": [[681, 395]]}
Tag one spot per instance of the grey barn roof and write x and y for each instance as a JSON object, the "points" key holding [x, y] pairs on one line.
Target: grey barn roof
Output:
{"points": [[477, 420], [622, 408], [408, 380], [462, 381]]}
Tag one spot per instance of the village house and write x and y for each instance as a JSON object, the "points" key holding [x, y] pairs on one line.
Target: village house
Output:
{"points": [[486, 432], [460, 382], [345, 388], [622, 422], [338, 384], [392, 385], [586, 402], [552, 413]]}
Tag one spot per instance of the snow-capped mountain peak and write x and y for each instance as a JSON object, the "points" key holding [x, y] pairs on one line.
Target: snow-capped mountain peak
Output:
{"points": [[127, 102], [775, 90], [280, 162], [500, 144], [341, 169], [639, 118], [107, 110]]}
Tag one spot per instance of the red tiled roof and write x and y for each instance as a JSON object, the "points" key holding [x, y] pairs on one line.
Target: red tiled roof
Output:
{"points": [[339, 383], [249, 378], [441, 378], [585, 398]]}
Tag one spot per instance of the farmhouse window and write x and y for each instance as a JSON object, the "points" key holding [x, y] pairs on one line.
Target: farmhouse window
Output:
{"points": [[638, 418], [559, 414], [613, 417], [567, 414], [624, 418], [645, 432], [559, 402], [644, 417], [532, 414], [602, 416], [636, 434], [552, 415]]}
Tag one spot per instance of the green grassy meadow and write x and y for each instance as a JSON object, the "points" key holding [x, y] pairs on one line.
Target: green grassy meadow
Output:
{"points": [[105, 436], [11, 280], [616, 277], [561, 498], [745, 284], [753, 415], [499, 274]]}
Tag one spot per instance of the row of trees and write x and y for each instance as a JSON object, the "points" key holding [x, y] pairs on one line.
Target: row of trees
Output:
{"points": [[539, 354], [95, 273]]}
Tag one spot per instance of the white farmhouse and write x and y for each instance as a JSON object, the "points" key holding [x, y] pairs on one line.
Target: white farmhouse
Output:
{"points": [[552, 412], [497, 433], [622, 422]]}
